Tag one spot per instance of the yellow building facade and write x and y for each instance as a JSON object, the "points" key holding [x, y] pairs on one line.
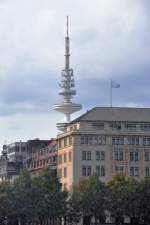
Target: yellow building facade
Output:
{"points": [[102, 141]]}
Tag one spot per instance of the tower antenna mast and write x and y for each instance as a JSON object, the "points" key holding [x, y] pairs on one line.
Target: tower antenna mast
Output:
{"points": [[67, 88]]}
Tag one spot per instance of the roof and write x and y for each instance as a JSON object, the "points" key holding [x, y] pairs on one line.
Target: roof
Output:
{"points": [[116, 114]]}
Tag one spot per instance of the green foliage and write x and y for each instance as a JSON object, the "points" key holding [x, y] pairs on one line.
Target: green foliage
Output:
{"points": [[40, 199], [89, 198]]}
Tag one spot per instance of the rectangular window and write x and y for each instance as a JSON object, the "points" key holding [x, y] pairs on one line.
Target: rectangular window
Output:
{"points": [[147, 171], [130, 126], [60, 143], [133, 140], [70, 140], [82, 139], [100, 155], [65, 172], [145, 126], [88, 155], [83, 170], [116, 126], [147, 156], [98, 125], [97, 170], [134, 171], [118, 140], [83, 155], [69, 156], [93, 140], [134, 156], [65, 158], [146, 141], [119, 155], [65, 142], [102, 171], [119, 169], [131, 171], [89, 171]]}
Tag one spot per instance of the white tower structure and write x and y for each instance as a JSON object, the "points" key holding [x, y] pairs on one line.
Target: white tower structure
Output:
{"points": [[67, 88]]}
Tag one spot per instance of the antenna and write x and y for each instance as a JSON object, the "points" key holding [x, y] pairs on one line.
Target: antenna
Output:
{"points": [[67, 88], [67, 26]]}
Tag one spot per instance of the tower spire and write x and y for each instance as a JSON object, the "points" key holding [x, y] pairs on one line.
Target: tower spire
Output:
{"points": [[67, 26], [67, 86]]}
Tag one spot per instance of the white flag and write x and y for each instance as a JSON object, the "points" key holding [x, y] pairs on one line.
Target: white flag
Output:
{"points": [[114, 85]]}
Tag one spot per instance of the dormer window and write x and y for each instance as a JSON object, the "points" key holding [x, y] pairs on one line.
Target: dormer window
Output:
{"points": [[98, 125]]}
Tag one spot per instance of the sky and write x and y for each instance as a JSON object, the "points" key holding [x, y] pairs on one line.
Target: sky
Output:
{"points": [[110, 39]]}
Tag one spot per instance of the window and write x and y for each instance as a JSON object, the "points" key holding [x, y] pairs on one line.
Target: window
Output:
{"points": [[132, 140], [119, 155], [93, 140], [145, 126], [134, 171], [100, 155], [65, 142], [89, 171], [60, 143], [65, 172], [147, 156], [116, 126], [102, 171], [146, 141], [130, 126], [119, 169], [70, 140], [65, 157], [98, 170], [131, 171], [118, 140], [69, 156], [84, 171], [134, 156], [98, 125], [82, 139], [83, 155], [147, 171], [86, 155]]}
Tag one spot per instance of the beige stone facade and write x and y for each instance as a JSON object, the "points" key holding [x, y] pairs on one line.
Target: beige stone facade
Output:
{"points": [[104, 141]]}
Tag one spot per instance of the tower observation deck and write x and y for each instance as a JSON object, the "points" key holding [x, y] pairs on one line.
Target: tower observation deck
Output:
{"points": [[67, 88]]}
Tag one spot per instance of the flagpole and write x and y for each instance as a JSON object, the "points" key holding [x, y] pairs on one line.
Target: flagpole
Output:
{"points": [[111, 93]]}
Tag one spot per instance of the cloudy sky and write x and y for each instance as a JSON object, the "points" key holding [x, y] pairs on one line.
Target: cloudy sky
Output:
{"points": [[109, 39]]}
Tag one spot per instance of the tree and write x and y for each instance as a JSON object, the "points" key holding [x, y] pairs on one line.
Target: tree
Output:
{"points": [[6, 209], [22, 196], [50, 200], [90, 199], [117, 196]]}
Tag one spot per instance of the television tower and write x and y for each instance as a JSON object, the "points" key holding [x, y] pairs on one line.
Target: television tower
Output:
{"points": [[67, 88]]}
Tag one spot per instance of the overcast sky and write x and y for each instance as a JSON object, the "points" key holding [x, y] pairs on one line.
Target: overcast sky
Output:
{"points": [[109, 39]]}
